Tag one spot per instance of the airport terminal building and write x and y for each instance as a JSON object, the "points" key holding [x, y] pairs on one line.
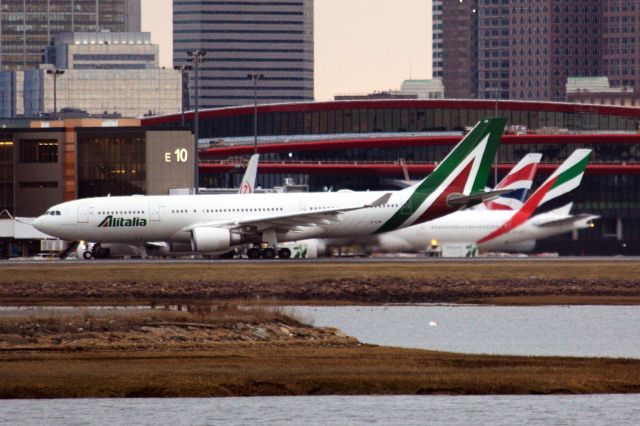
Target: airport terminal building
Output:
{"points": [[364, 144], [55, 161]]}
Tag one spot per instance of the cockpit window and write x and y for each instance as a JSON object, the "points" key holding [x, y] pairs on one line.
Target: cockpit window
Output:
{"points": [[53, 213]]}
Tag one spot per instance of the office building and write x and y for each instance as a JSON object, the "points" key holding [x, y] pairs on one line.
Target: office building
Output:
{"points": [[528, 50], [598, 91], [28, 27], [274, 39], [101, 73], [104, 51], [436, 39], [460, 49], [621, 43]]}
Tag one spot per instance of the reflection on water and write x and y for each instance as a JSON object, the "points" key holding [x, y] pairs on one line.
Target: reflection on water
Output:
{"points": [[598, 331], [334, 410]]}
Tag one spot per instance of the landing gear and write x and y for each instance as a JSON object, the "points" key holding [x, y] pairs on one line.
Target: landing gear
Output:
{"points": [[100, 253], [253, 253], [268, 253], [284, 253]]}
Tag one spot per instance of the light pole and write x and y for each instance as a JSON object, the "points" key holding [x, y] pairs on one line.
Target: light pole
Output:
{"points": [[196, 58], [55, 73], [184, 72], [496, 92], [255, 77]]}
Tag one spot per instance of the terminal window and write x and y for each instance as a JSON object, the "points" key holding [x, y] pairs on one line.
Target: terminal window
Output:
{"points": [[38, 151]]}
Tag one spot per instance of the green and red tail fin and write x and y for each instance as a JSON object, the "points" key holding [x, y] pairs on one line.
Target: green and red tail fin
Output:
{"points": [[464, 170], [555, 194]]}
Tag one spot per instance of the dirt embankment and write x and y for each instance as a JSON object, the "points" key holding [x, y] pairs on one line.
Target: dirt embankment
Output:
{"points": [[162, 330], [329, 290], [239, 352]]}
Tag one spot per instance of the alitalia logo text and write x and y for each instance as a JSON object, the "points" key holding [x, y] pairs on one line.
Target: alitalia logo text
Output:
{"points": [[121, 222]]}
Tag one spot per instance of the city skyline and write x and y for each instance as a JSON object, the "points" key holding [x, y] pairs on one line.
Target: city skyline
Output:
{"points": [[348, 40]]}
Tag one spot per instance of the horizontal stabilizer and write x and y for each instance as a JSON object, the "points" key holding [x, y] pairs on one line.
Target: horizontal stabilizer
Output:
{"points": [[399, 183], [381, 201], [583, 217], [461, 200]]}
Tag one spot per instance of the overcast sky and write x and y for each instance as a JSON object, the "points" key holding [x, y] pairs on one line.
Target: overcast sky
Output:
{"points": [[360, 45]]}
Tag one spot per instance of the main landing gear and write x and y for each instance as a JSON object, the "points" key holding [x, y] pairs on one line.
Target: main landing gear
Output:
{"points": [[255, 253], [96, 252]]}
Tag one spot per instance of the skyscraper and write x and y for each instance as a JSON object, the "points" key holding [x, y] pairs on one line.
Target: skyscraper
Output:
{"points": [[621, 43], [493, 50], [244, 37], [28, 27], [436, 43], [527, 50], [460, 49]]}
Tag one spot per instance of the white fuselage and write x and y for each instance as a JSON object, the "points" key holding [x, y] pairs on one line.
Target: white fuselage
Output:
{"points": [[468, 226], [170, 218]]}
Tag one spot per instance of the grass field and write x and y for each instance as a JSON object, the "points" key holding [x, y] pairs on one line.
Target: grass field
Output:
{"points": [[266, 370], [303, 272], [492, 282]]}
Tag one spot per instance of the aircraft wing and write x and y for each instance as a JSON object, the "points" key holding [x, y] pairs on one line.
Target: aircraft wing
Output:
{"points": [[583, 217], [292, 221]]}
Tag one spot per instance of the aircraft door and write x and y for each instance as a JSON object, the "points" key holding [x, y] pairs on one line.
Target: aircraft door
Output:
{"points": [[407, 208], [154, 212], [83, 213]]}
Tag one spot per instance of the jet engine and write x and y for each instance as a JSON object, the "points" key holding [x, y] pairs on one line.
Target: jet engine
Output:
{"points": [[206, 239], [519, 247]]}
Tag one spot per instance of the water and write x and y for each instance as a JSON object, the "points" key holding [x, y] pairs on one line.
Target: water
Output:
{"points": [[329, 410], [594, 331]]}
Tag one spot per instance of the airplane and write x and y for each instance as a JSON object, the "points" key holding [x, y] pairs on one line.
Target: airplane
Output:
{"points": [[90, 251], [546, 213], [216, 223]]}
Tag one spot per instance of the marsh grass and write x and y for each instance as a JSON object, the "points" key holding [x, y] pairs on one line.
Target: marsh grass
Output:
{"points": [[301, 272], [267, 370]]}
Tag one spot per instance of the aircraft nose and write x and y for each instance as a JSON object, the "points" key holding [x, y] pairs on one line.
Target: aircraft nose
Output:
{"points": [[39, 223]]}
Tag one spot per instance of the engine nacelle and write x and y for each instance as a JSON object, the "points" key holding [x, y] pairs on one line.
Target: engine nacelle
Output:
{"points": [[167, 249], [519, 247], [207, 239]]}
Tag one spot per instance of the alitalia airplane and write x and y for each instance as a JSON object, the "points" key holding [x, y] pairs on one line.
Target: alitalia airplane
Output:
{"points": [[89, 250], [215, 223], [545, 213]]}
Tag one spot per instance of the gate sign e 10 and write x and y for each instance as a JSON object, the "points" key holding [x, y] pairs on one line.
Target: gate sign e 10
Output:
{"points": [[180, 155]]}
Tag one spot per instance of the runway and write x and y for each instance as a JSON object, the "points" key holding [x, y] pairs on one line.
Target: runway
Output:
{"points": [[345, 260]]}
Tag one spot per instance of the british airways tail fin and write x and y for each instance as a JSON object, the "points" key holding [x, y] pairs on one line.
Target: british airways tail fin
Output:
{"points": [[519, 180]]}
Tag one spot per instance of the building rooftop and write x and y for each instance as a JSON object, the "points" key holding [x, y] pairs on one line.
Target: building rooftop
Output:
{"points": [[591, 84], [104, 37]]}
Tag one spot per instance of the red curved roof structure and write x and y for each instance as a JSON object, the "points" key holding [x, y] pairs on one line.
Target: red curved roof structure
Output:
{"points": [[385, 142], [392, 169], [404, 103]]}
